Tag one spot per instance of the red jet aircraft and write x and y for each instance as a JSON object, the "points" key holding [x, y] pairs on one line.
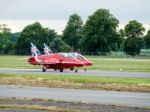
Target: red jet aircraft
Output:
{"points": [[52, 61], [73, 56]]}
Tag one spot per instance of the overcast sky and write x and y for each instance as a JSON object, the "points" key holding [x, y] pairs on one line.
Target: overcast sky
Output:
{"points": [[59, 10]]}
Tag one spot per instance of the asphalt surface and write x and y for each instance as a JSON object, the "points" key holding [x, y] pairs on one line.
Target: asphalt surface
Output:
{"points": [[129, 99], [80, 72]]}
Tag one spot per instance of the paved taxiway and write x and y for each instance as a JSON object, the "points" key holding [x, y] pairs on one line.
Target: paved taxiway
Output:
{"points": [[130, 99], [80, 72]]}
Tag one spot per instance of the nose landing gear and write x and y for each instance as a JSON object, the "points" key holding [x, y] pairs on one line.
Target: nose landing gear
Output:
{"points": [[44, 69]]}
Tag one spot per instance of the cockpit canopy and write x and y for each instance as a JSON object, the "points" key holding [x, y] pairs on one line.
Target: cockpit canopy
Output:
{"points": [[67, 55], [73, 56]]}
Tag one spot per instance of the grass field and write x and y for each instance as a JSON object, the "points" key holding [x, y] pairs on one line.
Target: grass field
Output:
{"points": [[110, 64], [121, 64], [14, 62], [77, 81]]}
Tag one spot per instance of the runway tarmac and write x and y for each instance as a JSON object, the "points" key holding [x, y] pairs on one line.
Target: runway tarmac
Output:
{"points": [[129, 99], [80, 72]]}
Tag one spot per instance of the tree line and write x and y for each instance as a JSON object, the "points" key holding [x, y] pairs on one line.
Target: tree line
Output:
{"points": [[98, 34]]}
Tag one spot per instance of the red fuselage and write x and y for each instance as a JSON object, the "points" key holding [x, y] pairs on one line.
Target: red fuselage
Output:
{"points": [[54, 61]]}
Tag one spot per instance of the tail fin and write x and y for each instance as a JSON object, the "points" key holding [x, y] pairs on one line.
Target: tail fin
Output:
{"points": [[47, 50], [34, 50]]}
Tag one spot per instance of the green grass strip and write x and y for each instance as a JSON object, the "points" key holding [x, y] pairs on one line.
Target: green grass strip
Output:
{"points": [[81, 79]]}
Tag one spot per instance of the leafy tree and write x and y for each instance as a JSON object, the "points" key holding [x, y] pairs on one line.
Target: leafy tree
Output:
{"points": [[147, 39], [122, 36], [58, 45], [72, 35], [33, 33], [132, 46], [134, 33], [5, 38], [122, 33], [100, 33], [14, 36], [51, 35]]}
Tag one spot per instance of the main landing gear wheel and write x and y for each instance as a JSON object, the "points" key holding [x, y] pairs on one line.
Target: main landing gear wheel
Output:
{"points": [[71, 69], [44, 69], [61, 70]]}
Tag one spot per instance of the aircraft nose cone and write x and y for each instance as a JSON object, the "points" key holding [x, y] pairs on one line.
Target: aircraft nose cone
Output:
{"points": [[89, 63]]}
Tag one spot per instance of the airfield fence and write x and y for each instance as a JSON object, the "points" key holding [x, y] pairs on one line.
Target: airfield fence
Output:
{"points": [[143, 53]]}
